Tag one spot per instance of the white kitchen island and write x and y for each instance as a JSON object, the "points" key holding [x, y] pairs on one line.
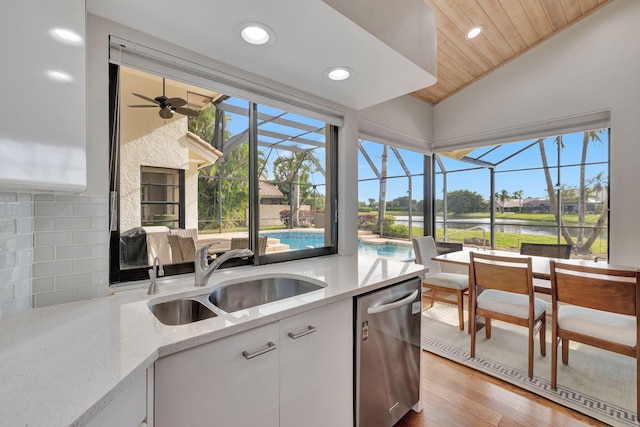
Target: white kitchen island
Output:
{"points": [[61, 365]]}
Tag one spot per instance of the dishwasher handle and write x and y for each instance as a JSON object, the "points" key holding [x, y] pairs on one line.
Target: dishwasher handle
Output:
{"points": [[393, 305]]}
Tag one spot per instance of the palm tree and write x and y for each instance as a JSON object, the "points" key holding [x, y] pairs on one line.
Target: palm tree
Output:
{"points": [[292, 172], [518, 195], [589, 136], [503, 196], [382, 199], [582, 246]]}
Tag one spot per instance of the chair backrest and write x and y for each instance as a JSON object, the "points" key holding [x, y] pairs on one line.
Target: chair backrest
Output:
{"points": [[243, 242], [509, 274], [605, 289], [562, 251], [424, 248]]}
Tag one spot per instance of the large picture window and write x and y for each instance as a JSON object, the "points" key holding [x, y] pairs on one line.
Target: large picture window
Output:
{"points": [[192, 166], [551, 190]]}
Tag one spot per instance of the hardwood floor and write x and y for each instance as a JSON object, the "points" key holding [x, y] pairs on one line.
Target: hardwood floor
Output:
{"points": [[455, 395]]}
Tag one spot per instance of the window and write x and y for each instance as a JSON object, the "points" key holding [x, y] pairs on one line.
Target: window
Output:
{"points": [[194, 166], [546, 190], [161, 197], [391, 205]]}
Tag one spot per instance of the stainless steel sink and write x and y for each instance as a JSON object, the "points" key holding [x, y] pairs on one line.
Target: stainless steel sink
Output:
{"points": [[253, 292], [181, 311]]}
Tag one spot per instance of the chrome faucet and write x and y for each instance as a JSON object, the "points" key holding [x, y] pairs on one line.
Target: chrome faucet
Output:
{"points": [[156, 271], [204, 270]]}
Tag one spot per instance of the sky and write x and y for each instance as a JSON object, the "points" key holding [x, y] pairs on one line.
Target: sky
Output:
{"points": [[529, 178], [531, 182]]}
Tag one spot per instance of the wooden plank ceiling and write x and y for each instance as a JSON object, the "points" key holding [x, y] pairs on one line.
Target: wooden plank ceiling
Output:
{"points": [[510, 28]]}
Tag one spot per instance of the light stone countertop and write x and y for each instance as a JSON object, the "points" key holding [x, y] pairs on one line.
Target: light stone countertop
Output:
{"points": [[61, 365]]}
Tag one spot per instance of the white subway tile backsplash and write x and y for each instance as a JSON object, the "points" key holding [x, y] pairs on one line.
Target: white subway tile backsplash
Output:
{"points": [[76, 228], [54, 238], [54, 209], [92, 210], [73, 252], [53, 249], [53, 298], [72, 199], [89, 265], [73, 281], [44, 223], [44, 197], [43, 254], [42, 285], [100, 224], [72, 223], [91, 237], [8, 227], [16, 242], [54, 268], [7, 293]]}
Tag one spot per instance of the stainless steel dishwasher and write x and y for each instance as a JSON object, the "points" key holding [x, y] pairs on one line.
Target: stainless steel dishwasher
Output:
{"points": [[387, 357]]}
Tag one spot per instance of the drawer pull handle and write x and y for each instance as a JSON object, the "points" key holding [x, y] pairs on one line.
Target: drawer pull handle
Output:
{"points": [[270, 346], [307, 331]]}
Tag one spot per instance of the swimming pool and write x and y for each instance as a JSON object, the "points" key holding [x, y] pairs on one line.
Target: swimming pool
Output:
{"points": [[303, 239]]}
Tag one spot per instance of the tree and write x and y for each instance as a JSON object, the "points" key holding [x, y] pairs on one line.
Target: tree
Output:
{"points": [[372, 202], [465, 201], [518, 195], [503, 196], [204, 124], [580, 244], [382, 199], [294, 172]]}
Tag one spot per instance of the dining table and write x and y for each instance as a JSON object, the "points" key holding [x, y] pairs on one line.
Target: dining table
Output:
{"points": [[540, 266]]}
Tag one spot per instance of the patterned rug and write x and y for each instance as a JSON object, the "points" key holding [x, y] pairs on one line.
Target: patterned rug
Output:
{"points": [[598, 383]]}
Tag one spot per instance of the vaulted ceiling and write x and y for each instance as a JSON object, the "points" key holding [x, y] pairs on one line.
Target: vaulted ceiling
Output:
{"points": [[510, 28]]}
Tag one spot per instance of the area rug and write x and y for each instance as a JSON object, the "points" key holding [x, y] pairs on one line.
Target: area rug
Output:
{"points": [[598, 383]]}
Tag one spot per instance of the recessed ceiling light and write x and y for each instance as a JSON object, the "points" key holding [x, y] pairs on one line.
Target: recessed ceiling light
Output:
{"points": [[338, 73], [256, 33], [474, 32], [66, 36]]}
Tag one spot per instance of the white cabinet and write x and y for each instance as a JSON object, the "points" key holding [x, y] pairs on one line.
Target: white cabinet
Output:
{"points": [[316, 367], [43, 109], [228, 382], [298, 371], [128, 409]]}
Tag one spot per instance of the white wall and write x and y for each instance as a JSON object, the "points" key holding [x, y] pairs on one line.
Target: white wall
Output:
{"points": [[592, 66], [404, 121]]}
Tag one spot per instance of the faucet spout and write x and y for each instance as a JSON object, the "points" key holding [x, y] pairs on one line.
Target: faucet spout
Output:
{"points": [[157, 270], [203, 270]]}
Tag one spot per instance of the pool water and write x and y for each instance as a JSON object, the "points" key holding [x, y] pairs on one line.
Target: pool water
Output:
{"points": [[305, 239]]}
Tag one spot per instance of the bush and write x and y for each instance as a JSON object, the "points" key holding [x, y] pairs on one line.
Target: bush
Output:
{"points": [[364, 209], [398, 231]]}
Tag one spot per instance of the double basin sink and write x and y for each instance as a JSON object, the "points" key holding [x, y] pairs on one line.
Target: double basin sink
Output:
{"points": [[231, 297]]}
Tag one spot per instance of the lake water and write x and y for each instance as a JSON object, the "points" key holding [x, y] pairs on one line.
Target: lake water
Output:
{"points": [[502, 225]]}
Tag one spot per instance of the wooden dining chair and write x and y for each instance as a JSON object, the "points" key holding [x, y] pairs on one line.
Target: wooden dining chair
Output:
{"points": [[562, 251], [501, 288], [597, 307], [435, 281]]}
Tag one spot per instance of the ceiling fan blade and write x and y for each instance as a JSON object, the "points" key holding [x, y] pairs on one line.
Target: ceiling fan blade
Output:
{"points": [[146, 98], [176, 102], [165, 113], [186, 111], [142, 106]]}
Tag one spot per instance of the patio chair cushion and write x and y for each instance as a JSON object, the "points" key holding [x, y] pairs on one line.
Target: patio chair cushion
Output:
{"points": [[510, 303], [447, 280], [600, 324], [176, 253]]}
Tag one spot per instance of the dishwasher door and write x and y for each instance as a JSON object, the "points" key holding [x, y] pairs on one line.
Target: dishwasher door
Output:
{"points": [[387, 334]]}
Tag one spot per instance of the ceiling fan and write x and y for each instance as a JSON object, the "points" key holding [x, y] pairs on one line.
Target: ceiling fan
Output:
{"points": [[167, 105]]}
